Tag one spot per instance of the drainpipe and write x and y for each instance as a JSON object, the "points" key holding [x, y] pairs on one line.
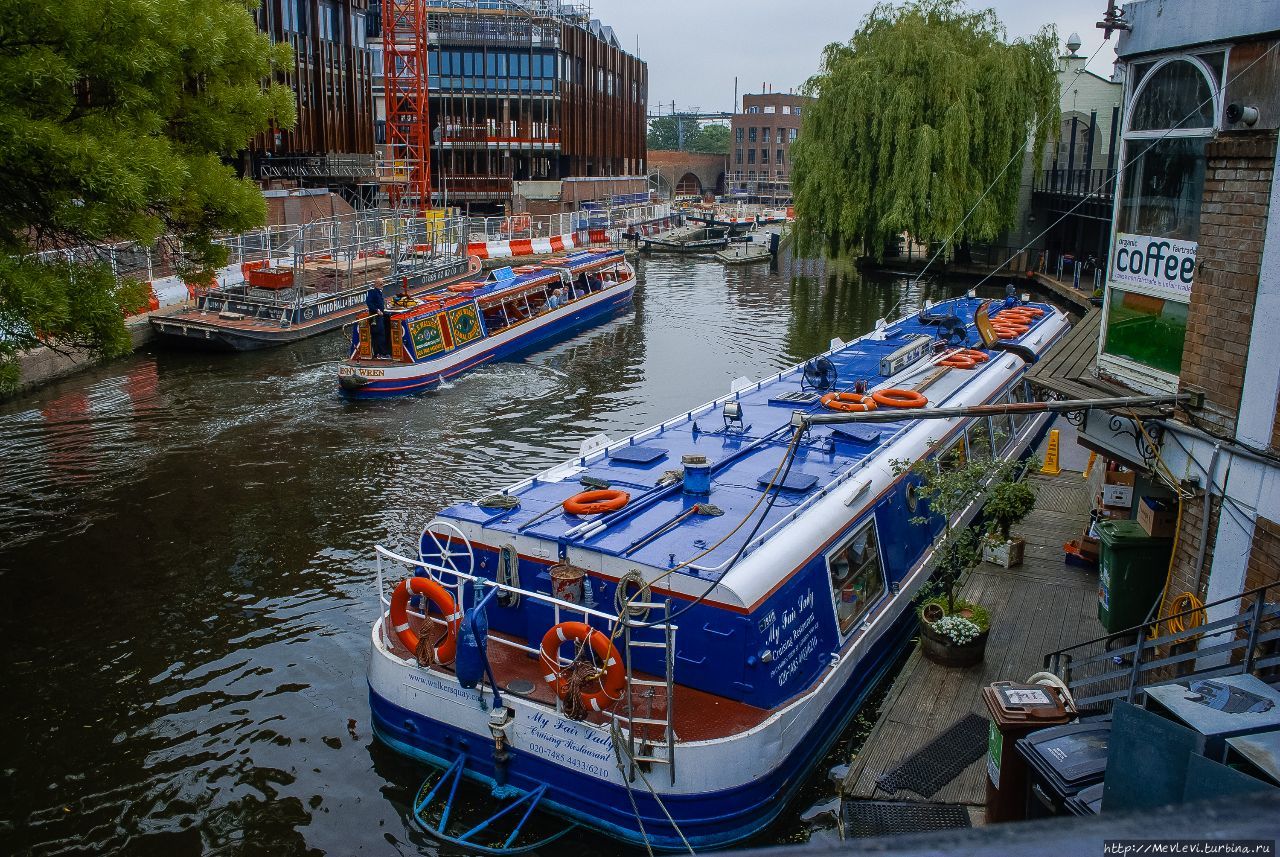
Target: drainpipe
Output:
{"points": [[1204, 513]]}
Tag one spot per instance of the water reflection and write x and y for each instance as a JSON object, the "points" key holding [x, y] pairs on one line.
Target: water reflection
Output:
{"points": [[185, 572]]}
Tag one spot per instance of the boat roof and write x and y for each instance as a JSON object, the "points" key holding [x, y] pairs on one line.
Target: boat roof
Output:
{"points": [[743, 461]]}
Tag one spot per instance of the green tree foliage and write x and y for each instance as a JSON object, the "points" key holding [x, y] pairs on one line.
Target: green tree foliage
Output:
{"points": [[913, 119], [712, 140], [682, 132], [117, 122]]}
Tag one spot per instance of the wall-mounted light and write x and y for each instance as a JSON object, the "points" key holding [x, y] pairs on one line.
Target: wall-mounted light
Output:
{"points": [[1237, 112]]}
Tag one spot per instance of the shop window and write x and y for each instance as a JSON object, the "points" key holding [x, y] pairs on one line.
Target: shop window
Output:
{"points": [[1162, 187], [1146, 329], [857, 580], [1153, 258]]}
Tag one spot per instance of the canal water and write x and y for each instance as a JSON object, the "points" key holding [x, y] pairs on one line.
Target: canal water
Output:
{"points": [[186, 574]]}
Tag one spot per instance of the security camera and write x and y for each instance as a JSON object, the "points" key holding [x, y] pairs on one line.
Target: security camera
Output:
{"points": [[1237, 112]]}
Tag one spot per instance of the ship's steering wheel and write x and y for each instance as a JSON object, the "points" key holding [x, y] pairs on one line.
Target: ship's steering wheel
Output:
{"points": [[443, 545]]}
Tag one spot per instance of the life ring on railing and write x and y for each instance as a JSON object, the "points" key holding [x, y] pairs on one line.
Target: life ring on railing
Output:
{"points": [[895, 398], [447, 647], [611, 677], [596, 502], [849, 402]]}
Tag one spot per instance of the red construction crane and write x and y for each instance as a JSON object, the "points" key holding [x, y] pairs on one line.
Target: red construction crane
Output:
{"points": [[407, 173]]}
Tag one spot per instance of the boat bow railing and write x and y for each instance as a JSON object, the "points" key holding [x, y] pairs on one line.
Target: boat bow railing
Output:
{"points": [[639, 692]]}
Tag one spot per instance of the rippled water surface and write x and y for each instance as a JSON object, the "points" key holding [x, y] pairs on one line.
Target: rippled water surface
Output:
{"points": [[186, 583]]}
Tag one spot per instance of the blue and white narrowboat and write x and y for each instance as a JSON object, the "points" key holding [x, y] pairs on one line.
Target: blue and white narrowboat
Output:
{"points": [[510, 312], [659, 638]]}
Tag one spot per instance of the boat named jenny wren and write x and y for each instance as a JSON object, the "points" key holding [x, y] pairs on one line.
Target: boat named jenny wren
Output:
{"points": [[512, 311], [659, 637]]}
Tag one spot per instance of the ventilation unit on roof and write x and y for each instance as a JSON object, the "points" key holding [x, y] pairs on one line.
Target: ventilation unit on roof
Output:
{"points": [[919, 347]]}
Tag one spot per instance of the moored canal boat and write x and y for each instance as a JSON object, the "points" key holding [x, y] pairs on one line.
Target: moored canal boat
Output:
{"points": [[676, 626], [512, 311], [274, 305]]}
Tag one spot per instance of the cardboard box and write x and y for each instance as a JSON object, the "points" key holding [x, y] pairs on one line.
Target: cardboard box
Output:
{"points": [[1089, 548], [1117, 489], [1107, 513], [1158, 517]]}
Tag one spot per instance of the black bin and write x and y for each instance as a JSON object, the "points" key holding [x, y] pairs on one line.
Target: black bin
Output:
{"points": [[1062, 761], [1087, 802]]}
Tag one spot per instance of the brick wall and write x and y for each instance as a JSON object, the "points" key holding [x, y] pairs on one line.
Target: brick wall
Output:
{"points": [[1233, 220], [1184, 577], [1264, 559]]}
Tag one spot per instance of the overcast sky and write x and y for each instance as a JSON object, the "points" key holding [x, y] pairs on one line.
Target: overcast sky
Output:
{"points": [[694, 48]]}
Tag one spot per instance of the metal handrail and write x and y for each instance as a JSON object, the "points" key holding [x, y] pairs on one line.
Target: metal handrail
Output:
{"points": [[1135, 662]]}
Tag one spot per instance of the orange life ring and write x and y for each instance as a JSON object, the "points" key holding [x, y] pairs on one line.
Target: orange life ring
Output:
{"points": [[596, 502], [460, 288], [895, 398], [975, 355], [1012, 331], [958, 361], [849, 402], [611, 682], [440, 597]]}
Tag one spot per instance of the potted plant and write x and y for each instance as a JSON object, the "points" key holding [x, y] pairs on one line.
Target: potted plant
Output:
{"points": [[953, 631], [1008, 502]]}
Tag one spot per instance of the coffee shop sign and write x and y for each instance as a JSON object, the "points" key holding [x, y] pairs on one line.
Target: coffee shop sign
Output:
{"points": [[1165, 266]]}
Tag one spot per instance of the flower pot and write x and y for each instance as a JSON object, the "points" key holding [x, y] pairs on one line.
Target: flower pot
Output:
{"points": [[1004, 554], [939, 648]]}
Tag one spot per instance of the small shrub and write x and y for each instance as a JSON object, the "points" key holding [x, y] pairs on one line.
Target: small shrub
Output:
{"points": [[957, 629]]}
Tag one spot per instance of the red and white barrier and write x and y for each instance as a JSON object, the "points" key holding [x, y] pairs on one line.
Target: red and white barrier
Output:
{"points": [[531, 246]]}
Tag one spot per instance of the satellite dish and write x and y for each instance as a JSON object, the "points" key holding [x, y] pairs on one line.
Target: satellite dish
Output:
{"points": [[819, 374]]}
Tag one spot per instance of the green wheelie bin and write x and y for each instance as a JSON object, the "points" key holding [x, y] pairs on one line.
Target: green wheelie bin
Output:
{"points": [[1131, 571]]}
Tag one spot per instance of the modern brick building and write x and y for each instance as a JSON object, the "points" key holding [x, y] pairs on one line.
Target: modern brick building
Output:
{"points": [[523, 95], [760, 147], [1193, 289], [332, 144]]}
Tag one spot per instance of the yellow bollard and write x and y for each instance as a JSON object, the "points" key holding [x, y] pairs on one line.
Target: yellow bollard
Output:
{"points": [[1050, 466], [1093, 456]]}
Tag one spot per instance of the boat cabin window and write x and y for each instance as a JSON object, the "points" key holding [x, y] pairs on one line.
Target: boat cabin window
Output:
{"points": [[857, 580], [955, 457], [1019, 420], [980, 439], [1002, 431]]}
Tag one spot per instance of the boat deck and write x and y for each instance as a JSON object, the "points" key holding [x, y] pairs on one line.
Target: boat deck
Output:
{"points": [[1037, 607], [743, 461], [699, 716]]}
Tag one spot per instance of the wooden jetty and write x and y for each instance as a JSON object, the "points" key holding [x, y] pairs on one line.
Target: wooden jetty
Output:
{"points": [[1037, 607]]}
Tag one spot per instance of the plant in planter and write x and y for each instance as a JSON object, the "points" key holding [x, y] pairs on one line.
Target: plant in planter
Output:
{"points": [[1008, 502], [948, 487]]}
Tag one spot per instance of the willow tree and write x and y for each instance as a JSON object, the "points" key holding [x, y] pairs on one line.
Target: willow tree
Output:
{"points": [[119, 120], [914, 119]]}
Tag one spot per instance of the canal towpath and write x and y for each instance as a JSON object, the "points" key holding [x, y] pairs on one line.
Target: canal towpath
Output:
{"points": [[1037, 607]]}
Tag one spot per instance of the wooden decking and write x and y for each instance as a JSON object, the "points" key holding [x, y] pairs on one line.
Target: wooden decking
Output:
{"points": [[1038, 607]]}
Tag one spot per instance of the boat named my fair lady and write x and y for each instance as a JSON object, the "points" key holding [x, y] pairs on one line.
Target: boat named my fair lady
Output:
{"points": [[660, 637]]}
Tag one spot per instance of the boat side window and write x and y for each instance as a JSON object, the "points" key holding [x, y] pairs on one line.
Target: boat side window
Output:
{"points": [[1001, 431], [955, 457], [857, 580], [980, 439], [1019, 420]]}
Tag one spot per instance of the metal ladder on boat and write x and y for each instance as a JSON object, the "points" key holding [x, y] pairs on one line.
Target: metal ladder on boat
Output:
{"points": [[641, 710]]}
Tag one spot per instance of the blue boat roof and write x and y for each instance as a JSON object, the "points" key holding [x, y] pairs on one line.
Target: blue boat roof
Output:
{"points": [[504, 279], [657, 527]]}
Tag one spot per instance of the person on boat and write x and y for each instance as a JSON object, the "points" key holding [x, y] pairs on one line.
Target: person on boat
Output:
{"points": [[556, 299], [376, 302]]}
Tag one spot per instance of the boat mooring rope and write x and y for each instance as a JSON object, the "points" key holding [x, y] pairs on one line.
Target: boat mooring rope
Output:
{"points": [[618, 749]]}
